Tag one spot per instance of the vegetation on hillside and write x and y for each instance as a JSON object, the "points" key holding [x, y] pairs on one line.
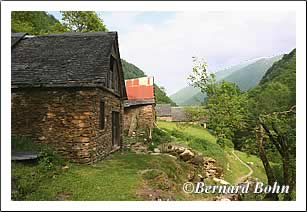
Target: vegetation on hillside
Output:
{"points": [[201, 140], [33, 22], [260, 121], [246, 75]]}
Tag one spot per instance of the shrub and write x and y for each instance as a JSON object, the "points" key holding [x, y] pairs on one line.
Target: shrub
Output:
{"points": [[160, 136], [49, 160], [224, 142], [178, 134]]}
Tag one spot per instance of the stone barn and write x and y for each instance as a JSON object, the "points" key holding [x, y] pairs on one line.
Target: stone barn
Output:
{"points": [[68, 91], [139, 109], [179, 114], [164, 112]]}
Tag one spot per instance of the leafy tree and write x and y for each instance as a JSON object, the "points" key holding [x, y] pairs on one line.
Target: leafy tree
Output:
{"points": [[83, 21], [224, 103], [271, 122]]}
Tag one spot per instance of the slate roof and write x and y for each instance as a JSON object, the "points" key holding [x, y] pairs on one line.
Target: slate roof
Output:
{"points": [[16, 37], [178, 114], [163, 110], [63, 60]]}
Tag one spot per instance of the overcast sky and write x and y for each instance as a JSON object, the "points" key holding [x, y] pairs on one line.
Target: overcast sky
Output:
{"points": [[162, 44]]}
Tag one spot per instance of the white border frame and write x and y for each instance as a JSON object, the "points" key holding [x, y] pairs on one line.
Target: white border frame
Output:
{"points": [[7, 7]]}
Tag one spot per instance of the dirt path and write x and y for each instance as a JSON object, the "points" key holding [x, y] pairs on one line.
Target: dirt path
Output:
{"points": [[243, 178]]}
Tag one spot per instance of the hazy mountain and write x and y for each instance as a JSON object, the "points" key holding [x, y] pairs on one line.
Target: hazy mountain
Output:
{"points": [[251, 75], [246, 75]]}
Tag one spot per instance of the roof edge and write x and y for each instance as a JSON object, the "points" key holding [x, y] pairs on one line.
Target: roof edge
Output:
{"points": [[20, 37]]}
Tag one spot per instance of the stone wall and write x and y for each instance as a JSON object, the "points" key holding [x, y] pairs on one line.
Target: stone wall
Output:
{"points": [[165, 118], [139, 116], [67, 119]]}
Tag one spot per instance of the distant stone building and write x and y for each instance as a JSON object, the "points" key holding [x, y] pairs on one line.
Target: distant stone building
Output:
{"points": [[179, 114], [68, 91], [139, 109], [164, 112]]}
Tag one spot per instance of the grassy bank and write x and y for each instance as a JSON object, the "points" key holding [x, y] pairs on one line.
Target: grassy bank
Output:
{"points": [[203, 141], [122, 176]]}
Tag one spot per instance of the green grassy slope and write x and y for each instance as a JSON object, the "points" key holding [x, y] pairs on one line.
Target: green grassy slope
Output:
{"points": [[203, 141], [119, 177]]}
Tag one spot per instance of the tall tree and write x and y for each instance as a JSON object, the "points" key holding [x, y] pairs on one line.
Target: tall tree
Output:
{"points": [[224, 102], [271, 111], [82, 21]]}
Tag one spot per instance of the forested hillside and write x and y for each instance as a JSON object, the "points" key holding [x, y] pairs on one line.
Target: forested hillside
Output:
{"points": [[260, 121], [131, 71], [272, 111], [35, 22], [251, 75]]}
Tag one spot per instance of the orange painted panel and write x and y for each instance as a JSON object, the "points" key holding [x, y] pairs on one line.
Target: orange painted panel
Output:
{"points": [[141, 88]]}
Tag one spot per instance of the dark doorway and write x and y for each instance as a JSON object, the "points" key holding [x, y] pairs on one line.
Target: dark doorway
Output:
{"points": [[115, 129]]}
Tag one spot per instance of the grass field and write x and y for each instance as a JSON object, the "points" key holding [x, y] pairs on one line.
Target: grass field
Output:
{"points": [[196, 131], [205, 143]]}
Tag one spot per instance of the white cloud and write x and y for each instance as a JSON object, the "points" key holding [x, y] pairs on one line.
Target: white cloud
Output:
{"points": [[165, 50]]}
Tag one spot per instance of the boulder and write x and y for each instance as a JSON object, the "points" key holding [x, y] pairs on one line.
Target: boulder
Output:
{"points": [[180, 150], [156, 150], [197, 160], [186, 155], [209, 160]]}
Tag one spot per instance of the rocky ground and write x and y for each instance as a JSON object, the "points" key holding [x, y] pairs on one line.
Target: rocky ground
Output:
{"points": [[203, 168]]}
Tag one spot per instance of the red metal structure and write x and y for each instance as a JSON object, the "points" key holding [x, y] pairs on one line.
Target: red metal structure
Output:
{"points": [[140, 88]]}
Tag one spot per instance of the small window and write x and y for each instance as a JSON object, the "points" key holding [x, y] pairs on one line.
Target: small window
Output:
{"points": [[101, 108], [111, 77]]}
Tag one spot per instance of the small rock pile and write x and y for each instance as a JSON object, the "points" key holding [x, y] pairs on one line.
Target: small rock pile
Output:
{"points": [[138, 147], [205, 166]]}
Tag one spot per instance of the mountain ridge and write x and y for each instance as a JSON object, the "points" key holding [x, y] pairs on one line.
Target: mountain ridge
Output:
{"points": [[246, 75]]}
